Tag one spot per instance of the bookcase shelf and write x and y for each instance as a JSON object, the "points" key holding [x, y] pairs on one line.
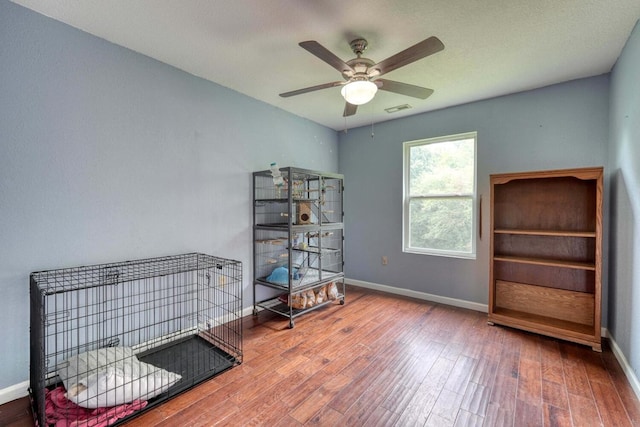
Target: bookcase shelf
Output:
{"points": [[547, 262], [559, 233]]}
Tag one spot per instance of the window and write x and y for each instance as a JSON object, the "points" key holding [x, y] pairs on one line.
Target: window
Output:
{"points": [[439, 212]]}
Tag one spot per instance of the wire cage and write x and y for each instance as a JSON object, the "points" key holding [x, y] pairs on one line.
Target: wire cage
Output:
{"points": [[315, 198], [298, 232], [136, 331], [320, 261]]}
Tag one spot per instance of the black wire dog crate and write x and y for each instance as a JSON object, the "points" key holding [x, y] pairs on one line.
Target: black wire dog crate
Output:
{"points": [[142, 331]]}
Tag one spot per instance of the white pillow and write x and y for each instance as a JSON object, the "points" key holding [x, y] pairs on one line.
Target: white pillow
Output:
{"points": [[116, 386], [84, 364], [112, 376]]}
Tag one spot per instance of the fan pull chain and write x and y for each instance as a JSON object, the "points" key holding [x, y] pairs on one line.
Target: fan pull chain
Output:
{"points": [[371, 114]]}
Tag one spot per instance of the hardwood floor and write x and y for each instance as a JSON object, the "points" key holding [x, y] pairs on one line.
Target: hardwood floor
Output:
{"points": [[383, 360]]}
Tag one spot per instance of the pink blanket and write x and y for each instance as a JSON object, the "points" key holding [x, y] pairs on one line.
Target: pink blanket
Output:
{"points": [[62, 412]]}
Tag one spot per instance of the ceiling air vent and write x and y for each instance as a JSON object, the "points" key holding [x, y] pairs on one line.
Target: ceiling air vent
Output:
{"points": [[397, 108]]}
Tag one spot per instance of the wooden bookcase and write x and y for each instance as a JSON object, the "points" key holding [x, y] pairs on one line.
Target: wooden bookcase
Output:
{"points": [[546, 253]]}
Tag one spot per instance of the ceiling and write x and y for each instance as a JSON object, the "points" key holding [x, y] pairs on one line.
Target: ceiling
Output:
{"points": [[492, 47]]}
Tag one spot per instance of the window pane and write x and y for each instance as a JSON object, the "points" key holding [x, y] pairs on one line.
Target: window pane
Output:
{"points": [[441, 224], [442, 168]]}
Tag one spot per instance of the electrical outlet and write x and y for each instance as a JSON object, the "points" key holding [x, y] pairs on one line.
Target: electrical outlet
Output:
{"points": [[385, 260]]}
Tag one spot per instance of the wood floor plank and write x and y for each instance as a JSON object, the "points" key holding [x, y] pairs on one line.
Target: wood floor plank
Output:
{"points": [[363, 408], [509, 364], [319, 398], [609, 405], [554, 394], [460, 375], [572, 354], [504, 392], [551, 362], [494, 337], [247, 391], [499, 416], [419, 408], [446, 408], [530, 382], [270, 397], [528, 415], [383, 360], [399, 397], [476, 399], [583, 411], [354, 367], [16, 413], [150, 418], [453, 350], [201, 414], [291, 365], [467, 419], [267, 415], [595, 368], [484, 372], [576, 380], [298, 393], [556, 417], [530, 348], [319, 363], [435, 420], [287, 421], [379, 417], [342, 400], [409, 372], [325, 417], [552, 372]]}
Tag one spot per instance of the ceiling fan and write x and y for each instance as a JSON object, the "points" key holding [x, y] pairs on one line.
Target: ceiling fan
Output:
{"points": [[362, 75]]}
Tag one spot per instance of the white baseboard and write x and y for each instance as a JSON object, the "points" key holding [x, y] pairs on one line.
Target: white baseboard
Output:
{"points": [[247, 311], [14, 392], [419, 295], [626, 368]]}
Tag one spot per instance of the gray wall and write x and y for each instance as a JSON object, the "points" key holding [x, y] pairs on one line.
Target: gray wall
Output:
{"points": [[107, 155], [624, 165], [561, 126]]}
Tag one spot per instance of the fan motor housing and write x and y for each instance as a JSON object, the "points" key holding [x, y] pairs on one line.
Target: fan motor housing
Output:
{"points": [[358, 46]]}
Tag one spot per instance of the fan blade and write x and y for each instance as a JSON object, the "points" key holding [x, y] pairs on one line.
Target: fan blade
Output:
{"points": [[404, 88], [323, 53], [411, 54], [349, 109], [311, 89]]}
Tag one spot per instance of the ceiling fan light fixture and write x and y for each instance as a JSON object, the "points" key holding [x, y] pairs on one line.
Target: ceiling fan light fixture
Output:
{"points": [[359, 92]]}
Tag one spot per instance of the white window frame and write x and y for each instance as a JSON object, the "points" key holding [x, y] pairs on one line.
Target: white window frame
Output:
{"points": [[406, 220]]}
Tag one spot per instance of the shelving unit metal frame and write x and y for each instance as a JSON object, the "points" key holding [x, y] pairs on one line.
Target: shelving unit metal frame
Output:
{"points": [[277, 219]]}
